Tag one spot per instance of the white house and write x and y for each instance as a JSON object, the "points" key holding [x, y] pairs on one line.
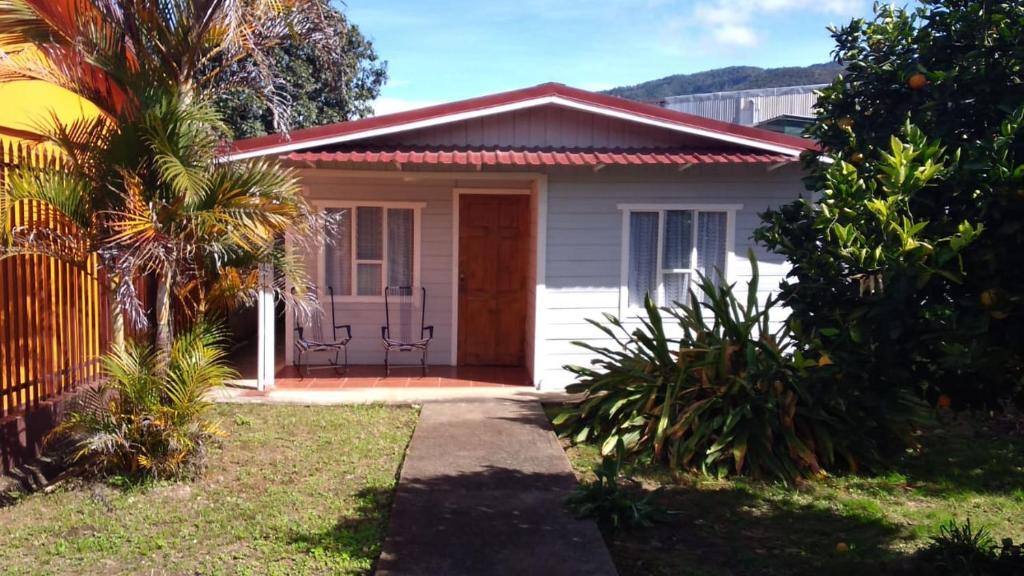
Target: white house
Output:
{"points": [[524, 213]]}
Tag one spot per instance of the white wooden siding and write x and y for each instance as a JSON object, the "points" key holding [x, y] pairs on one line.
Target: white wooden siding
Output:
{"points": [[585, 233], [582, 253]]}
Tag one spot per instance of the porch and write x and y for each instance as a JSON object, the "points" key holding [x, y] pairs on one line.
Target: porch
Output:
{"points": [[289, 378], [471, 241]]}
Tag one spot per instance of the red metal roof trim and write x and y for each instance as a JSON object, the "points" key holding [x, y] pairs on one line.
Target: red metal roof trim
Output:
{"points": [[611, 103], [538, 157]]}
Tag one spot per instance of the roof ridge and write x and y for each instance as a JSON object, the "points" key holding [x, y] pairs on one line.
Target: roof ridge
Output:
{"points": [[505, 101]]}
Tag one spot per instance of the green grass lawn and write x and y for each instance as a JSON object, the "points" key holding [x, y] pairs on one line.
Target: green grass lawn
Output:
{"points": [[744, 527], [292, 491]]}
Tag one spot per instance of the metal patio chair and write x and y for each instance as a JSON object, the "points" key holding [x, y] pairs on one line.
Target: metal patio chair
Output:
{"points": [[405, 312], [317, 343]]}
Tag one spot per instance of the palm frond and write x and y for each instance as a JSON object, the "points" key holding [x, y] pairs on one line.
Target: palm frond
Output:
{"points": [[65, 192], [82, 143]]}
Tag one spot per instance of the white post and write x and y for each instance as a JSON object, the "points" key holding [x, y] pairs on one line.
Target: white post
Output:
{"points": [[265, 313], [540, 300]]}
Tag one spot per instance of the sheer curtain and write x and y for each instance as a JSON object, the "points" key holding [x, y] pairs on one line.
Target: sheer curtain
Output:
{"points": [[643, 256], [400, 246], [677, 254], [338, 251], [711, 227], [369, 246]]}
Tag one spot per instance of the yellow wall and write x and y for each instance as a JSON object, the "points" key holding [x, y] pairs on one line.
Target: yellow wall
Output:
{"points": [[29, 104]]}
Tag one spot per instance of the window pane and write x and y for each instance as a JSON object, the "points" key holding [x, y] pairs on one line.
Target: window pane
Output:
{"points": [[678, 240], [677, 288], [369, 233], [338, 251], [400, 247], [643, 256], [368, 280], [711, 244]]}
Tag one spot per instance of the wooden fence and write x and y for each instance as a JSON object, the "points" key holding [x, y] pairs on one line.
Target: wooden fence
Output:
{"points": [[54, 322]]}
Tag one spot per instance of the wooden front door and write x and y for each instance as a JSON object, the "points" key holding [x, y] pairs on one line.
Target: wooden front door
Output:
{"points": [[494, 248]]}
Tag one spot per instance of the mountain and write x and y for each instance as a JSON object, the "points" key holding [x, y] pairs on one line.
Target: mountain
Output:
{"points": [[731, 78]]}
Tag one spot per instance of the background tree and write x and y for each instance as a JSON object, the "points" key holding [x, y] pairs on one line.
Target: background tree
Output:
{"points": [[907, 269], [322, 81]]}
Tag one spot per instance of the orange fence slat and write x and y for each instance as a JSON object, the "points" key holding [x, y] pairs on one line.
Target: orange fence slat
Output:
{"points": [[53, 315]]}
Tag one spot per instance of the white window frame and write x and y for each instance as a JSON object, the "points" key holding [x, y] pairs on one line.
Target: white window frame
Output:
{"points": [[417, 243], [730, 211]]}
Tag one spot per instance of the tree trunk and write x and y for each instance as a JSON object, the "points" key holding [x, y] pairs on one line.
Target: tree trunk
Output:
{"points": [[116, 314], [164, 337]]}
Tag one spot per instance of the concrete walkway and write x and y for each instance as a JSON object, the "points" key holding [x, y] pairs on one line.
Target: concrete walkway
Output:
{"points": [[482, 492]]}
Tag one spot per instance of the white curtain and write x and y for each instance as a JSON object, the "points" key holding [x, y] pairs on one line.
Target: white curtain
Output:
{"points": [[368, 279], [711, 228], [369, 233], [678, 239], [400, 246], [369, 246], [338, 251], [677, 254], [643, 256]]}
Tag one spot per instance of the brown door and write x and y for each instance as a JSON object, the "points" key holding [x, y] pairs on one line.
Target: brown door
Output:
{"points": [[494, 233]]}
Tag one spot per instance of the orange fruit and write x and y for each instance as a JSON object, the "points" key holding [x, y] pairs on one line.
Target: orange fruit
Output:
{"points": [[944, 401], [917, 81], [856, 158], [989, 297], [842, 547], [824, 360], [845, 122]]}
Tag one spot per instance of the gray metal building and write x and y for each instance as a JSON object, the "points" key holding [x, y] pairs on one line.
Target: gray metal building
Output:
{"points": [[786, 109]]}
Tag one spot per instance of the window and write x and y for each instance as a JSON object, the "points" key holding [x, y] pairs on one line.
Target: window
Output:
{"points": [[369, 247], [667, 247]]}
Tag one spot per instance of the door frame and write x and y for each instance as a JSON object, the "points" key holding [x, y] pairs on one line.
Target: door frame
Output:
{"points": [[456, 202]]}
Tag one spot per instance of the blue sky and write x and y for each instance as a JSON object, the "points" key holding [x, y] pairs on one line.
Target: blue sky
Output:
{"points": [[443, 50]]}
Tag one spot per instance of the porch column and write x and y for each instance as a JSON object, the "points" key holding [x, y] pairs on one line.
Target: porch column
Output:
{"points": [[265, 314]]}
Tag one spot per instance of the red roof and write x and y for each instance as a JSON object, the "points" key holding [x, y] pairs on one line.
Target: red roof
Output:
{"points": [[537, 157], [545, 93]]}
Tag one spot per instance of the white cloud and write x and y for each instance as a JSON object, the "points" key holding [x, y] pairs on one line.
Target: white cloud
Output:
{"points": [[734, 23], [734, 35], [385, 105]]}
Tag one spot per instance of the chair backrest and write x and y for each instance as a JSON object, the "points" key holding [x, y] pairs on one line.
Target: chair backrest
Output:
{"points": [[405, 308], [316, 319]]}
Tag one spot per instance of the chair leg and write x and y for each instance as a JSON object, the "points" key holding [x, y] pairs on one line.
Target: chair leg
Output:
{"points": [[423, 362], [345, 370], [387, 363], [337, 361]]}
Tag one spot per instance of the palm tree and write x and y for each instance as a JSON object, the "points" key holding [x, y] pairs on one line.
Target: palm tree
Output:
{"points": [[181, 212], [142, 181]]}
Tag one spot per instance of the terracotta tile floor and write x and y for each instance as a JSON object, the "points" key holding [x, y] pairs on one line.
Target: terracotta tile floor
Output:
{"points": [[373, 377]]}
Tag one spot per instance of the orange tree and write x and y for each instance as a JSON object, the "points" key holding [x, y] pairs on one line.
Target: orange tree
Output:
{"points": [[907, 267]]}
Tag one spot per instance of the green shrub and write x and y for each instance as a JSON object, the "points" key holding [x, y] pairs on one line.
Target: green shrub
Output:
{"points": [[724, 392], [146, 421], [608, 504], [959, 549]]}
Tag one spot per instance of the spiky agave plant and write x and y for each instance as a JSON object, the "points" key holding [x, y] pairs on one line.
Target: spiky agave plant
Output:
{"points": [[722, 392], [145, 422]]}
